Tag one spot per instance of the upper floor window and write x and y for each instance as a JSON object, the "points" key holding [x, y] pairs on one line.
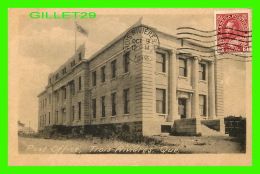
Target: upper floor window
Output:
{"points": [[160, 62], [94, 78], [72, 63], [160, 101], [57, 76], [183, 67], [64, 71], [202, 71], [80, 57], [103, 74], [113, 69], [49, 118], [126, 101], [79, 82], [49, 98], [126, 63], [64, 93]]}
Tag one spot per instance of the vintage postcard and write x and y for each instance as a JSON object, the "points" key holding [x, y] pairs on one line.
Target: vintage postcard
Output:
{"points": [[130, 87]]}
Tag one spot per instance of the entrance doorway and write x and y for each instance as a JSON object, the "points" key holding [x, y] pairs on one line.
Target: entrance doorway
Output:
{"points": [[182, 107]]}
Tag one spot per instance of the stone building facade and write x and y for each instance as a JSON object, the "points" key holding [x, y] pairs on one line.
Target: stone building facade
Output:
{"points": [[172, 90]]}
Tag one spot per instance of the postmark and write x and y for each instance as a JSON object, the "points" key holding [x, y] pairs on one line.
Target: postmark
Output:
{"points": [[233, 35], [140, 42]]}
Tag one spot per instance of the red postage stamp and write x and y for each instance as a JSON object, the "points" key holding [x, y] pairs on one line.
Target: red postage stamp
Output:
{"points": [[233, 33]]}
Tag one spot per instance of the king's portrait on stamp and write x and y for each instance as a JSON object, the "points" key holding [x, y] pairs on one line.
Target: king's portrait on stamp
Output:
{"points": [[171, 86]]}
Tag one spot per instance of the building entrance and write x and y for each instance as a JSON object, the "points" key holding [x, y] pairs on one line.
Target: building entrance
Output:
{"points": [[182, 107]]}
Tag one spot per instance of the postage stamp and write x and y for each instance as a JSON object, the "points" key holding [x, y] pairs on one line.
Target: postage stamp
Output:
{"points": [[233, 33], [141, 87]]}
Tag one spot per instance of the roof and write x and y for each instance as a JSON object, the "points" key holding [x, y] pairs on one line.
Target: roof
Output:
{"points": [[141, 22]]}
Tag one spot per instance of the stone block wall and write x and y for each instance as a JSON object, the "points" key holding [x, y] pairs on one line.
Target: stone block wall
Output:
{"points": [[189, 126]]}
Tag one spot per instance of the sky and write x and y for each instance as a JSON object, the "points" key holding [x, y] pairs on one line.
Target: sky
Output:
{"points": [[42, 45]]}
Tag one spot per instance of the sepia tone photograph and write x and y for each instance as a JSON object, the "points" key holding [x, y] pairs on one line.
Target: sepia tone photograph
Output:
{"points": [[130, 87]]}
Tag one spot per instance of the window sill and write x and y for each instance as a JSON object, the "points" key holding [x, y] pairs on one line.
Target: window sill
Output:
{"points": [[102, 118], [203, 81], [127, 73], [113, 116], [162, 73], [113, 79], [183, 77], [126, 115], [103, 83], [160, 114]]}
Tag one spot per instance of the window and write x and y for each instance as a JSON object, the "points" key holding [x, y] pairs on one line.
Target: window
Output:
{"points": [[113, 103], [126, 63], [103, 107], [45, 102], [202, 102], [79, 106], [73, 113], [80, 57], [126, 101], [64, 93], [94, 109], [57, 76], [113, 69], [160, 101], [160, 62], [79, 82], [49, 118], [49, 80], [103, 74], [202, 71], [94, 78], [49, 98], [72, 63], [64, 71], [73, 88], [183, 67]]}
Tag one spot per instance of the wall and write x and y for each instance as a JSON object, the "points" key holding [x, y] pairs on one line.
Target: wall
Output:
{"points": [[189, 126]]}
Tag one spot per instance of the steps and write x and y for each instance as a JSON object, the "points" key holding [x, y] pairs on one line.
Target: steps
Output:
{"points": [[206, 131]]}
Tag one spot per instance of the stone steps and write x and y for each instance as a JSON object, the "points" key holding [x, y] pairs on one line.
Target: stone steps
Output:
{"points": [[206, 131]]}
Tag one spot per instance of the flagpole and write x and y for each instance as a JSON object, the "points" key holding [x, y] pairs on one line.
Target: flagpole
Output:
{"points": [[75, 37]]}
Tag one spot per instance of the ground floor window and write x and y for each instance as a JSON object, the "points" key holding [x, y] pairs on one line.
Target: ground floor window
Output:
{"points": [[202, 103], [103, 107], [126, 101], [160, 101]]}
